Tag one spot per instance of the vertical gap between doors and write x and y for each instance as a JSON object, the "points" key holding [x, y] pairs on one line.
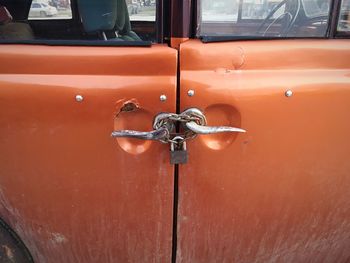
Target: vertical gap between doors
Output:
{"points": [[175, 211], [176, 170]]}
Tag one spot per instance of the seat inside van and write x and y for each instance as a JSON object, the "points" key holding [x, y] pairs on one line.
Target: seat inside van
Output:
{"points": [[109, 18]]}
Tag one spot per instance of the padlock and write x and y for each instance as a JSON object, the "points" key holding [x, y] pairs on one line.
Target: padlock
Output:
{"points": [[178, 153]]}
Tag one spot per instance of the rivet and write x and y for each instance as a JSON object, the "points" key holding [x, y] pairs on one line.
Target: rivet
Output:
{"points": [[190, 93], [289, 93], [163, 98], [79, 98]]}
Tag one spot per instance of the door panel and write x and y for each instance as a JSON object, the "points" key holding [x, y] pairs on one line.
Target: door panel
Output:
{"points": [[70, 191], [279, 192]]}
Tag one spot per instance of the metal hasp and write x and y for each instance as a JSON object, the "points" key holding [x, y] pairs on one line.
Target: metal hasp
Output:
{"points": [[192, 122]]}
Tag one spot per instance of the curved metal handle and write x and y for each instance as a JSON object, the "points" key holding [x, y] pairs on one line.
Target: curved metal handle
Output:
{"points": [[201, 129], [156, 135]]}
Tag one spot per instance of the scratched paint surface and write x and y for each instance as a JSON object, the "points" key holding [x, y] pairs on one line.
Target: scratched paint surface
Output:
{"points": [[70, 191], [280, 192]]}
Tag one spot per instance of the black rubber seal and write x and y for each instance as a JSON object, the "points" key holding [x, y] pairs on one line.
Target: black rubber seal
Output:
{"points": [[94, 43], [212, 39]]}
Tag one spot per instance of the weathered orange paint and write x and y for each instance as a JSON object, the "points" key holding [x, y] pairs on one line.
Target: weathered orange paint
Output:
{"points": [[280, 192], [70, 191], [175, 42]]}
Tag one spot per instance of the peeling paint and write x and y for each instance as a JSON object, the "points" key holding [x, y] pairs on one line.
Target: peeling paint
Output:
{"points": [[58, 238], [124, 105]]}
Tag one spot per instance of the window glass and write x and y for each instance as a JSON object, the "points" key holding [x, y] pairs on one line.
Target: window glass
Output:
{"points": [[260, 9], [108, 21], [142, 10], [316, 8], [50, 9], [264, 18], [344, 17], [219, 11]]}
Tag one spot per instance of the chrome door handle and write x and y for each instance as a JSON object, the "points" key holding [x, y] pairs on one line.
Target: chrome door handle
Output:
{"points": [[202, 129], [157, 135]]}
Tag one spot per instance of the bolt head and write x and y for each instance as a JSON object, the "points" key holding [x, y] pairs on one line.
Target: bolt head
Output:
{"points": [[190, 93], [79, 98], [289, 93], [163, 98]]}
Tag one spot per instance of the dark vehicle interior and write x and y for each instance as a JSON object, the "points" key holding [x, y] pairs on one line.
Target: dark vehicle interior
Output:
{"points": [[279, 18], [89, 22]]}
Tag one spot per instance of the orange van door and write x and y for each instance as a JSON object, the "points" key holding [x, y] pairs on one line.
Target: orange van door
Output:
{"points": [[280, 191], [71, 191]]}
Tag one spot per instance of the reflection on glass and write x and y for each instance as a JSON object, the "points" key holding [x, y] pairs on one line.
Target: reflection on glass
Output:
{"points": [[139, 10], [220, 10], [264, 17], [142, 10], [344, 17], [50, 9]]}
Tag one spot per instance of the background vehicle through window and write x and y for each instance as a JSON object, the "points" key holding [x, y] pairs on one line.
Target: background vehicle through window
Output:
{"points": [[50, 9]]}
